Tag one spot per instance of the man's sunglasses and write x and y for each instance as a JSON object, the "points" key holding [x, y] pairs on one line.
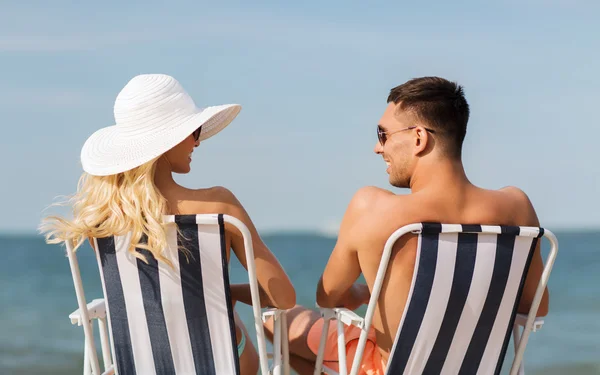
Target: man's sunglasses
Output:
{"points": [[382, 135], [196, 133]]}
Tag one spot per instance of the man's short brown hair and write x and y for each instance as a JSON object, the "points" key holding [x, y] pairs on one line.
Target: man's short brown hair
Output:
{"points": [[439, 104]]}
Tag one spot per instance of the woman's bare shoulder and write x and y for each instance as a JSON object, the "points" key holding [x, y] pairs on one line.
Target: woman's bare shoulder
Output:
{"points": [[216, 199]]}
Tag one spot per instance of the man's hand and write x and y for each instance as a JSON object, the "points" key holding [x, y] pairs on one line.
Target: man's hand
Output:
{"points": [[356, 296]]}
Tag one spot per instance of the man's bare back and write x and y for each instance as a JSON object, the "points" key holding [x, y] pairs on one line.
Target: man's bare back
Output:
{"points": [[385, 212]]}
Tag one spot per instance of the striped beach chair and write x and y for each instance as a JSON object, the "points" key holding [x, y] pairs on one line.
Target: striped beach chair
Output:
{"points": [[462, 303], [172, 320]]}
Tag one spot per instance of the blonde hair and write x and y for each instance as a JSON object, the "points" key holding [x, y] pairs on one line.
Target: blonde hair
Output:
{"points": [[104, 206]]}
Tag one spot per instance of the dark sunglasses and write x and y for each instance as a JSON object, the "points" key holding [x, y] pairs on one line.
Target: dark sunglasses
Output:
{"points": [[196, 133], [382, 135]]}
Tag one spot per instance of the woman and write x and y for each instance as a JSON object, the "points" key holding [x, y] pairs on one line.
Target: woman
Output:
{"points": [[128, 186]]}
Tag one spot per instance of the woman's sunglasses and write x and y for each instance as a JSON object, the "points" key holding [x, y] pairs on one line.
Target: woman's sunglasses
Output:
{"points": [[196, 133], [382, 135]]}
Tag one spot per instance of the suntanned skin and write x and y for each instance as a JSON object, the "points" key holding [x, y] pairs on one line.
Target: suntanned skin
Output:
{"points": [[275, 287], [440, 192]]}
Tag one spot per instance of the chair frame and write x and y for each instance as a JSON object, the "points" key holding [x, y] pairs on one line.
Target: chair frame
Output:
{"points": [[96, 309], [529, 323]]}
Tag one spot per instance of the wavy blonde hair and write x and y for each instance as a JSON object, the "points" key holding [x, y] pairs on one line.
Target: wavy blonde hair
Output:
{"points": [[104, 206]]}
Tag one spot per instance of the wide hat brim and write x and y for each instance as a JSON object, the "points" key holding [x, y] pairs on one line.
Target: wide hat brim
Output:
{"points": [[117, 149]]}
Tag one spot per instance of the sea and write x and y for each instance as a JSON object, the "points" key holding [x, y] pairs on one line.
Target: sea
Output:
{"points": [[37, 295]]}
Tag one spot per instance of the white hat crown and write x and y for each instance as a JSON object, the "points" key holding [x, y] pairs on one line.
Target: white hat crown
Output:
{"points": [[151, 99]]}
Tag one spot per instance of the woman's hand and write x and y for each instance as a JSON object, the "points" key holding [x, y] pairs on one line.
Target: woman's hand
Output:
{"points": [[242, 293]]}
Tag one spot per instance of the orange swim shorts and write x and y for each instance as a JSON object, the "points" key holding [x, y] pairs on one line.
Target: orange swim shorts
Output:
{"points": [[372, 363]]}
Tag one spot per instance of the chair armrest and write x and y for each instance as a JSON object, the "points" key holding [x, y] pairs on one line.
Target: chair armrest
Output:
{"points": [[348, 317], [271, 312], [110, 370], [96, 310], [521, 320]]}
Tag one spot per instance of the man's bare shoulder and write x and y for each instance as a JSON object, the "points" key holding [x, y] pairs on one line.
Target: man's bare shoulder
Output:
{"points": [[367, 196], [514, 195], [376, 212], [514, 192], [372, 203], [520, 204]]}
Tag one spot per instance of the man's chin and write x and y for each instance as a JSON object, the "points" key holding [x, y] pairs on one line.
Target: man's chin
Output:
{"points": [[399, 184]]}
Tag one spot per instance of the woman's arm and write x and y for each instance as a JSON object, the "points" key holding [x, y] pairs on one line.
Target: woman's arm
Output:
{"points": [[241, 293], [276, 289]]}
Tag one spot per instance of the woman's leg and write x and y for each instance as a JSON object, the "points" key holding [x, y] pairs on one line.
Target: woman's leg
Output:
{"points": [[249, 357]]}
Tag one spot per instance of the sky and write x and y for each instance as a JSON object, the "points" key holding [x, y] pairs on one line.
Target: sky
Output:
{"points": [[312, 78]]}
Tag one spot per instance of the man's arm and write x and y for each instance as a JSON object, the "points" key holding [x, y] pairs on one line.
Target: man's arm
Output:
{"points": [[336, 287], [537, 265]]}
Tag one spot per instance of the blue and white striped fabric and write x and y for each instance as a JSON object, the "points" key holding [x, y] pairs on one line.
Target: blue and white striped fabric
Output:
{"points": [[463, 299], [167, 320]]}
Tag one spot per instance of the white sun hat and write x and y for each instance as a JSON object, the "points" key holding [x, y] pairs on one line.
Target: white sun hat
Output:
{"points": [[153, 113]]}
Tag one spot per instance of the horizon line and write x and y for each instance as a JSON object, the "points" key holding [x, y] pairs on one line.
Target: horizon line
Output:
{"points": [[308, 231]]}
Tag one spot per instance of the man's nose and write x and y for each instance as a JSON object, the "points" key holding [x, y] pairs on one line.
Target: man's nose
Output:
{"points": [[378, 148]]}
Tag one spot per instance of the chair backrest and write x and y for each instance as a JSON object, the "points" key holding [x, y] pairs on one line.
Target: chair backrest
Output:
{"points": [[168, 320], [463, 298]]}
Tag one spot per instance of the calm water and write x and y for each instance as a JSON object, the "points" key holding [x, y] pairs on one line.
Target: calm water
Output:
{"points": [[37, 295]]}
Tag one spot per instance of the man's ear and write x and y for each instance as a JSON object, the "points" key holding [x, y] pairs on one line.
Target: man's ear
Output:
{"points": [[423, 141]]}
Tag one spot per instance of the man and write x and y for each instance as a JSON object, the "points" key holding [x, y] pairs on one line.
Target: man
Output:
{"points": [[420, 137]]}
